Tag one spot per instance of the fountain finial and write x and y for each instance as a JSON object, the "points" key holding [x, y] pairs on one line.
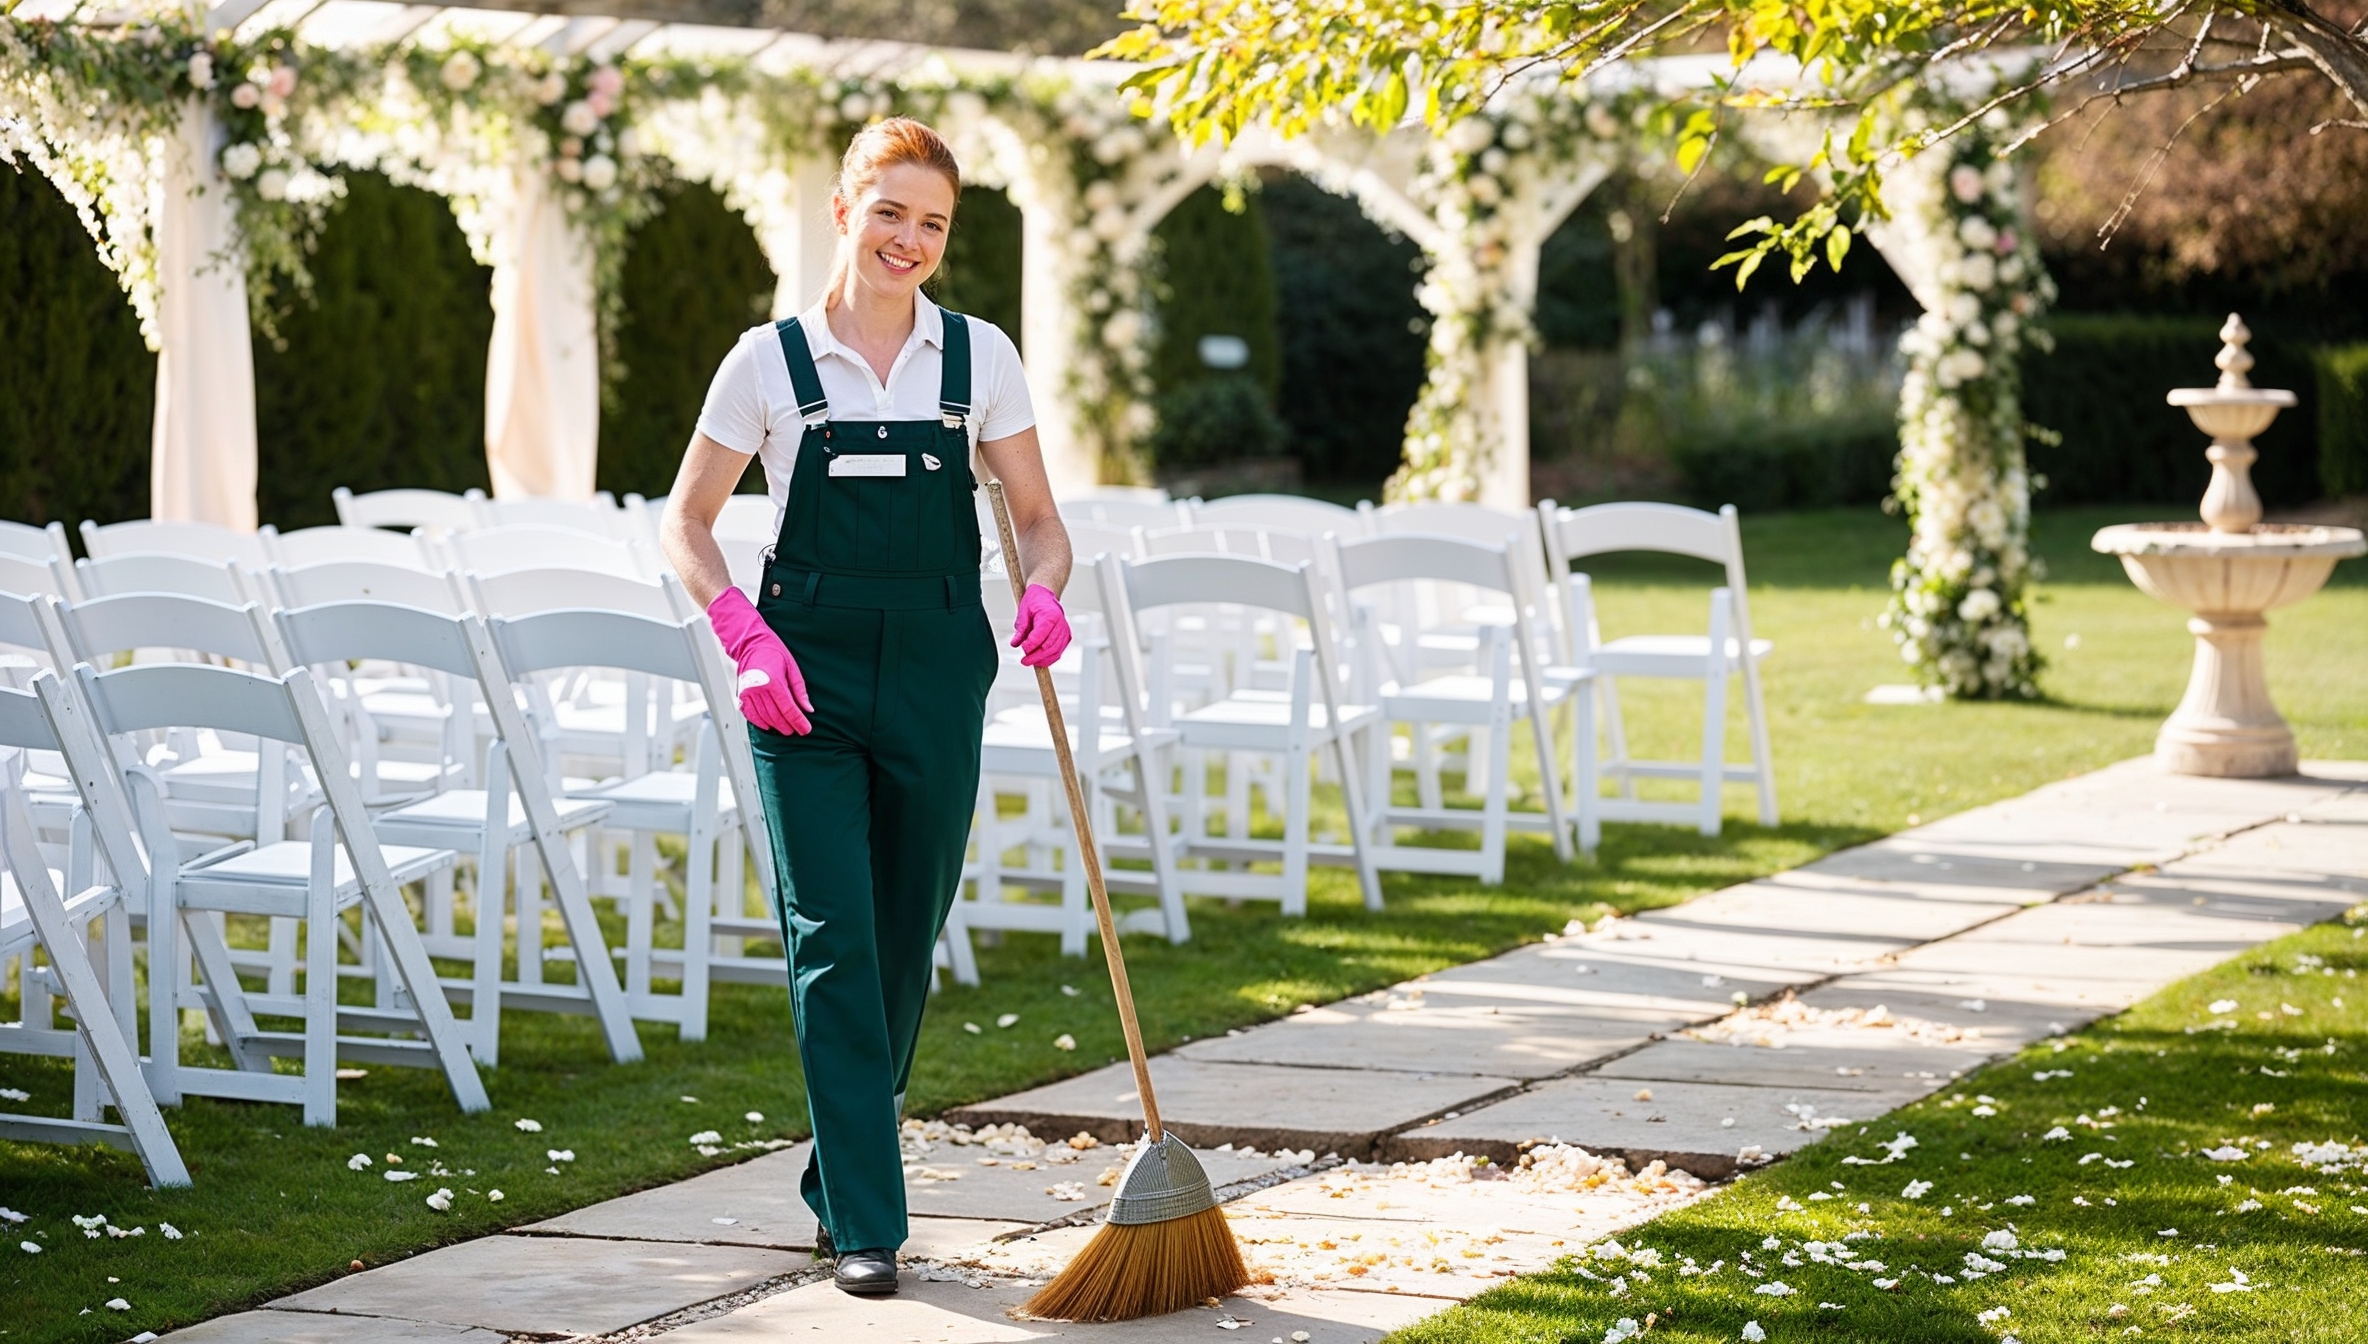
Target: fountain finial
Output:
{"points": [[2233, 361]]}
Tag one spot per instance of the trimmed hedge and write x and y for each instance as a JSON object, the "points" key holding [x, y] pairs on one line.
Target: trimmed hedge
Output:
{"points": [[77, 387], [694, 280], [381, 380], [1352, 334], [2343, 420], [981, 271], [2102, 389], [1218, 281], [1789, 466]]}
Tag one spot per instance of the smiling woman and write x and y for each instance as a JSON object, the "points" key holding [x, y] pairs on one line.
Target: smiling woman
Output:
{"points": [[866, 411]]}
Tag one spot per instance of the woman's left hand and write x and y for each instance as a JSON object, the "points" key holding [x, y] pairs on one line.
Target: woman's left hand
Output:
{"points": [[1042, 631]]}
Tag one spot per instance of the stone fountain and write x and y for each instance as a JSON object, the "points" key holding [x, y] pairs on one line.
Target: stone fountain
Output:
{"points": [[2228, 570]]}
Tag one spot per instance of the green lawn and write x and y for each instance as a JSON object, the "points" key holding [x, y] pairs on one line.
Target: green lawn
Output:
{"points": [[275, 1207], [2156, 1239]]}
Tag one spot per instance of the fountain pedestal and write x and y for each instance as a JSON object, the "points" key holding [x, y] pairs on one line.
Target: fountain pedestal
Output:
{"points": [[2229, 569]]}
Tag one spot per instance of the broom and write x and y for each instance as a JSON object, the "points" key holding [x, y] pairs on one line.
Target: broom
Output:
{"points": [[1164, 1245]]}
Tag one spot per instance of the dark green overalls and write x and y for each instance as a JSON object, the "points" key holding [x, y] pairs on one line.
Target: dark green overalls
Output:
{"points": [[874, 586]]}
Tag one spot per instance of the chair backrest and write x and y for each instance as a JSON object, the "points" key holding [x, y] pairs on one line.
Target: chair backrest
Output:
{"points": [[23, 541], [1670, 529], [1125, 494], [351, 632], [500, 550], [364, 581], [1089, 539], [1203, 539], [1315, 517], [103, 626], [157, 572], [744, 559], [550, 640], [1240, 580], [1473, 522], [1122, 512], [407, 509], [22, 723], [27, 622], [206, 541], [154, 696], [599, 517], [327, 545], [524, 592], [743, 515], [1369, 561], [20, 575]]}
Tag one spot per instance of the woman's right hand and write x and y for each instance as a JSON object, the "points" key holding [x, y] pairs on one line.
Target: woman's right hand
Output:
{"points": [[772, 690]]}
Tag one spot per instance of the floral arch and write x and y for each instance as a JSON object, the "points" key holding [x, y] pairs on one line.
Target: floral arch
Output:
{"points": [[203, 148]]}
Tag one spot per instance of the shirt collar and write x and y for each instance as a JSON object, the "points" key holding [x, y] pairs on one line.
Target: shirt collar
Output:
{"points": [[929, 324]]}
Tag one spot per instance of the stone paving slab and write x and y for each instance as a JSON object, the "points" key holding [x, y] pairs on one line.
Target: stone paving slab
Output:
{"points": [[1343, 1110], [926, 1312], [274, 1326], [1884, 916], [2315, 848], [1022, 1197], [1646, 980], [549, 1285], [1911, 858], [760, 1197], [1441, 1035], [1682, 1124], [1879, 1063]]}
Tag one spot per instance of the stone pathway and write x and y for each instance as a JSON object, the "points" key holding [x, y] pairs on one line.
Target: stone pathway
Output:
{"points": [[1603, 1073]]}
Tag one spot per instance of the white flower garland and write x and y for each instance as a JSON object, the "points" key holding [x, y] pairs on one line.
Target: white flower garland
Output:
{"points": [[1958, 603], [1479, 182]]}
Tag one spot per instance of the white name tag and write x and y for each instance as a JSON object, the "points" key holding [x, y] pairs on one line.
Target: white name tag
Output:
{"points": [[867, 464]]}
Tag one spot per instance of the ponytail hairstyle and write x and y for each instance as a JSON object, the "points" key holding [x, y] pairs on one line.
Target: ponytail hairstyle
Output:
{"points": [[874, 150]]}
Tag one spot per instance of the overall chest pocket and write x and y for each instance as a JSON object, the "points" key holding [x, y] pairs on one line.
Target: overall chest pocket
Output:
{"points": [[919, 522]]}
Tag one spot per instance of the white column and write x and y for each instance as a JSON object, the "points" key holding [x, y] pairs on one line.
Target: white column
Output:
{"points": [[797, 234], [1048, 334], [542, 377], [202, 457]]}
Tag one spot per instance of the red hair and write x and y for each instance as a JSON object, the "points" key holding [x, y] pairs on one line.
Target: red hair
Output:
{"points": [[876, 149]]}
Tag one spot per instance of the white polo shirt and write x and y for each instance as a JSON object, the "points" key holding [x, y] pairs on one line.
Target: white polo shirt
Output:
{"points": [[752, 407]]}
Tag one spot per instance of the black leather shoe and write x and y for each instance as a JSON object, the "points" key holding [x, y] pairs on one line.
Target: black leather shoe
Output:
{"points": [[867, 1273], [824, 1248]]}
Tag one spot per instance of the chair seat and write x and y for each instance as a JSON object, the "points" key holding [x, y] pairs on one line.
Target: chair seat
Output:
{"points": [[1253, 720], [1461, 694], [287, 864], [657, 801], [1667, 655], [1020, 731], [462, 812]]}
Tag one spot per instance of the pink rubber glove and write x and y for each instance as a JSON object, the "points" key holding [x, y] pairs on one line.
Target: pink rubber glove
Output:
{"points": [[1042, 630], [772, 690]]}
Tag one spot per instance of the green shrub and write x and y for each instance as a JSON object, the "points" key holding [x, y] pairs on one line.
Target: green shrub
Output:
{"points": [[77, 388], [1217, 280], [2343, 420], [1789, 466], [1213, 422], [2102, 389], [381, 380], [1352, 334], [981, 271], [694, 280]]}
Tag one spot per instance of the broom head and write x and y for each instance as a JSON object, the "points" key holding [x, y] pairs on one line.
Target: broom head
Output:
{"points": [[1165, 1246]]}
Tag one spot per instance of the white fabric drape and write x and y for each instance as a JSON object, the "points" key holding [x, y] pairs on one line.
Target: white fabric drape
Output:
{"points": [[542, 376], [201, 465]]}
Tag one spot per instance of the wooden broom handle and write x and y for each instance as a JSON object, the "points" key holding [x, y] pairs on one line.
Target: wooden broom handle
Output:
{"points": [[1079, 821]]}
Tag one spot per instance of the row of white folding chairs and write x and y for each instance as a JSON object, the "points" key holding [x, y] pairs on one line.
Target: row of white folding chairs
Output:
{"points": [[702, 805]]}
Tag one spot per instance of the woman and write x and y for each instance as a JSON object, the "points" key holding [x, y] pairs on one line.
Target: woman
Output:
{"points": [[865, 661]]}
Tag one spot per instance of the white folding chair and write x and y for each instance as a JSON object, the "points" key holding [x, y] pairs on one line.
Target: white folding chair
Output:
{"points": [[599, 516], [500, 550], [745, 515], [512, 813], [206, 541], [329, 545], [101, 1032], [1513, 687], [42, 544], [342, 865], [159, 572], [1087, 540], [1122, 760], [711, 805], [1574, 534], [407, 509], [744, 560], [1298, 513], [1123, 512], [23, 574], [1288, 727]]}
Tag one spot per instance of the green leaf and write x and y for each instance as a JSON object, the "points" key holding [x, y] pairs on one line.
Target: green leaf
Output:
{"points": [[1837, 246]]}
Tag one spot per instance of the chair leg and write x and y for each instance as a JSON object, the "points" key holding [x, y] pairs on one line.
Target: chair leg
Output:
{"points": [[1714, 717], [1762, 762], [698, 941], [1151, 779], [1615, 762], [1586, 789], [320, 984], [485, 990]]}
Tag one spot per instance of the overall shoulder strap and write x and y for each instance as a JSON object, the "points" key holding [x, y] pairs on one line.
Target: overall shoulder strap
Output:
{"points": [[813, 406], [953, 379]]}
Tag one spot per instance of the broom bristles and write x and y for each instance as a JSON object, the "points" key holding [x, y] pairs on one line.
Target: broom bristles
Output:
{"points": [[1146, 1269]]}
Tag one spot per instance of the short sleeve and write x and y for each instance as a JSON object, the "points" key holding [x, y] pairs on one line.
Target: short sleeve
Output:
{"points": [[734, 414], [1002, 393]]}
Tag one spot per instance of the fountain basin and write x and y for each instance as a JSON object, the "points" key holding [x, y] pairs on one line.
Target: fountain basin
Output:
{"points": [[2226, 725]]}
